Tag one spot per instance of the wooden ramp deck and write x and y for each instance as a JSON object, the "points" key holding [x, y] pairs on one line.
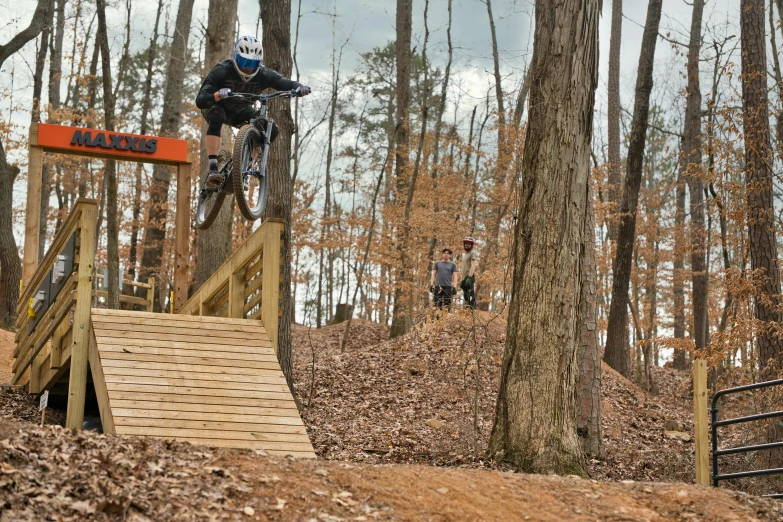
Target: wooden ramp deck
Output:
{"points": [[206, 380]]}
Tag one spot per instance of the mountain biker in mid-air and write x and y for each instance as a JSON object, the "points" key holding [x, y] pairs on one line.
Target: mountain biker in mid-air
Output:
{"points": [[243, 73]]}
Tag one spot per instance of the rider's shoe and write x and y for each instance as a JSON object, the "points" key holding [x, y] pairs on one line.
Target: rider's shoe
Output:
{"points": [[214, 178]]}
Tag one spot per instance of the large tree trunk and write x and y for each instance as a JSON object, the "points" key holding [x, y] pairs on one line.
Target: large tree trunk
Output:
{"points": [[110, 169], [155, 225], [35, 117], [588, 389], [535, 420], [678, 279], [276, 17], [616, 354], [694, 176], [613, 114], [758, 183], [10, 267], [214, 243], [401, 322]]}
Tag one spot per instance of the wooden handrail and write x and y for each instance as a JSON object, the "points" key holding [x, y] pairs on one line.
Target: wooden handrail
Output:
{"points": [[247, 285]]}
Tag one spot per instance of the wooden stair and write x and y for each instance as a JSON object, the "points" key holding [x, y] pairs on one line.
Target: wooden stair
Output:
{"points": [[207, 380]]}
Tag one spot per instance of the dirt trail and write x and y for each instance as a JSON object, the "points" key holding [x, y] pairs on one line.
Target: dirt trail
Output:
{"points": [[55, 474], [7, 346]]}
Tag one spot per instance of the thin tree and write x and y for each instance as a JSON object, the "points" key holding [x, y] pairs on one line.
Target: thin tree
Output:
{"points": [[401, 321], [613, 113], [110, 168], [758, 183], [535, 425], [694, 176], [616, 354]]}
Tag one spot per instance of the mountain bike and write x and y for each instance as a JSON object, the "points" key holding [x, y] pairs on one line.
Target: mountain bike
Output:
{"points": [[244, 170]]}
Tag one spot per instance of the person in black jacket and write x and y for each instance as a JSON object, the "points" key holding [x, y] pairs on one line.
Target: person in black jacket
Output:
{"points": [[242, 73]]}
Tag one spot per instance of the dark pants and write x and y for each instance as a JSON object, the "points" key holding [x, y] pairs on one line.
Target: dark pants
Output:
{"points": [[443, 297], [468, 286], [220, 114]]}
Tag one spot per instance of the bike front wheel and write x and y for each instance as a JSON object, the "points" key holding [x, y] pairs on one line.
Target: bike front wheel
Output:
{"points": [[249, 172]]}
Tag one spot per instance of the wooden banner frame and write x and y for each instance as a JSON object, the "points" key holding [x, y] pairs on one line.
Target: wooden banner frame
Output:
{"points": [[119, 146]]}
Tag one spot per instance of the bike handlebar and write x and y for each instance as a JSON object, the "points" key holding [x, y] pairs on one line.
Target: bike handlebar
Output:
{"points": [[260, 97]]}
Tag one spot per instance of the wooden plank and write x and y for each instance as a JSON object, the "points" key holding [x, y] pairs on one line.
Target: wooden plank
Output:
{"points": [[177, 345], [236, 295], [151, 295], [239, 444], [185, 368], [32, 219], [255, 268], [174, 321], [193, 337], [209, 434], [231, 332], [192, 384], [254, 301], [136, 355], [182, 236], [236, 407], [271, 286], [130, 314], [275, 377], [77, 382], [137, 284], [700, 424], [155, 400], [199, 420], [164, 387], [123, 298], [99, 383]]}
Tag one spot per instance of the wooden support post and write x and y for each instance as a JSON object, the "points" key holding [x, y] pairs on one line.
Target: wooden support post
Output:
{"points": [[700, 426], [182, 236], [236, 293], [77, 385], [151, 294], [33, 210], [270, 286]]}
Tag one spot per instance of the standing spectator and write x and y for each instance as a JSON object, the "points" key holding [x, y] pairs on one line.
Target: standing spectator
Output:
{"points": [[443, 283], [469, 264]]}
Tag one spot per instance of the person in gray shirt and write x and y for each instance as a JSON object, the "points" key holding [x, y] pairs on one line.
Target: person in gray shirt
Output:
{"points": [[443, 283]]}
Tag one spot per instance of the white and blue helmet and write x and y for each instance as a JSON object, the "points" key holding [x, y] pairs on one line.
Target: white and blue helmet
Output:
{"points": [[248, 55]]}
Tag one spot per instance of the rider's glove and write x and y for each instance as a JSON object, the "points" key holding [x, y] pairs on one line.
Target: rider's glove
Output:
{"points": [[224, 93], [303, 90]]}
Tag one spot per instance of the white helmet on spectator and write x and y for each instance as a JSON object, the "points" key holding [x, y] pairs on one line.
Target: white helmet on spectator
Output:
{"points": [[248, 56]]}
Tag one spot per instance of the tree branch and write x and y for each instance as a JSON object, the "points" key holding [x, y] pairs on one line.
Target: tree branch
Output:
{"points": [[40, 17]]}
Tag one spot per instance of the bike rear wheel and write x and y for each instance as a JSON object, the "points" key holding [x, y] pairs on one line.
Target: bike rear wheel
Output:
{"points": [[210, 200], [249, 172]]}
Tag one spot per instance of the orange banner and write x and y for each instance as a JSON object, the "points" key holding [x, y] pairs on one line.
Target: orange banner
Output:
{"points": [[123, 146]]}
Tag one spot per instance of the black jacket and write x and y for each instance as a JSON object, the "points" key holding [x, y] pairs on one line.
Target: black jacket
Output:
{"points": [[224, 74]]}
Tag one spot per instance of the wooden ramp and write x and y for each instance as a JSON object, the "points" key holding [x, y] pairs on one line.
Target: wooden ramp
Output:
{"points": [[206, 380]]}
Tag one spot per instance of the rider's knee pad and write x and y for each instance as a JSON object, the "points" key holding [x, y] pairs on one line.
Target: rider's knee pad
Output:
{"points": [[216, 117]]}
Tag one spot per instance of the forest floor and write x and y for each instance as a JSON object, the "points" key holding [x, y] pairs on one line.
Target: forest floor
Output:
{"points": [[409, 404]]}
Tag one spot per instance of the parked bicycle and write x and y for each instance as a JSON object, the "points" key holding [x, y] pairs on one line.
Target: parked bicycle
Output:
{"points": [[244, 171]]}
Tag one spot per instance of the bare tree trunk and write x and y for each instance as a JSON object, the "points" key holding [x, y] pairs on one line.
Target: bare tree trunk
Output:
{"points": [[110, 169], [588, 387], [146, 106], [214, 243], [41, 16], [10, 267], [778, 74], [55, 82], [276, 18], [694, 176], [616, 353], [155, 223], [401, 322], [678, 290], [40, 63], [613, 115], [535, 425], [758, 183]]}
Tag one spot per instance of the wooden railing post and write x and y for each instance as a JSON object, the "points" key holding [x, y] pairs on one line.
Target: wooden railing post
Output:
{"points": [[151, 295], [700, 426], [32, 218], [77, 385], [182, 236], [270, 285]]}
